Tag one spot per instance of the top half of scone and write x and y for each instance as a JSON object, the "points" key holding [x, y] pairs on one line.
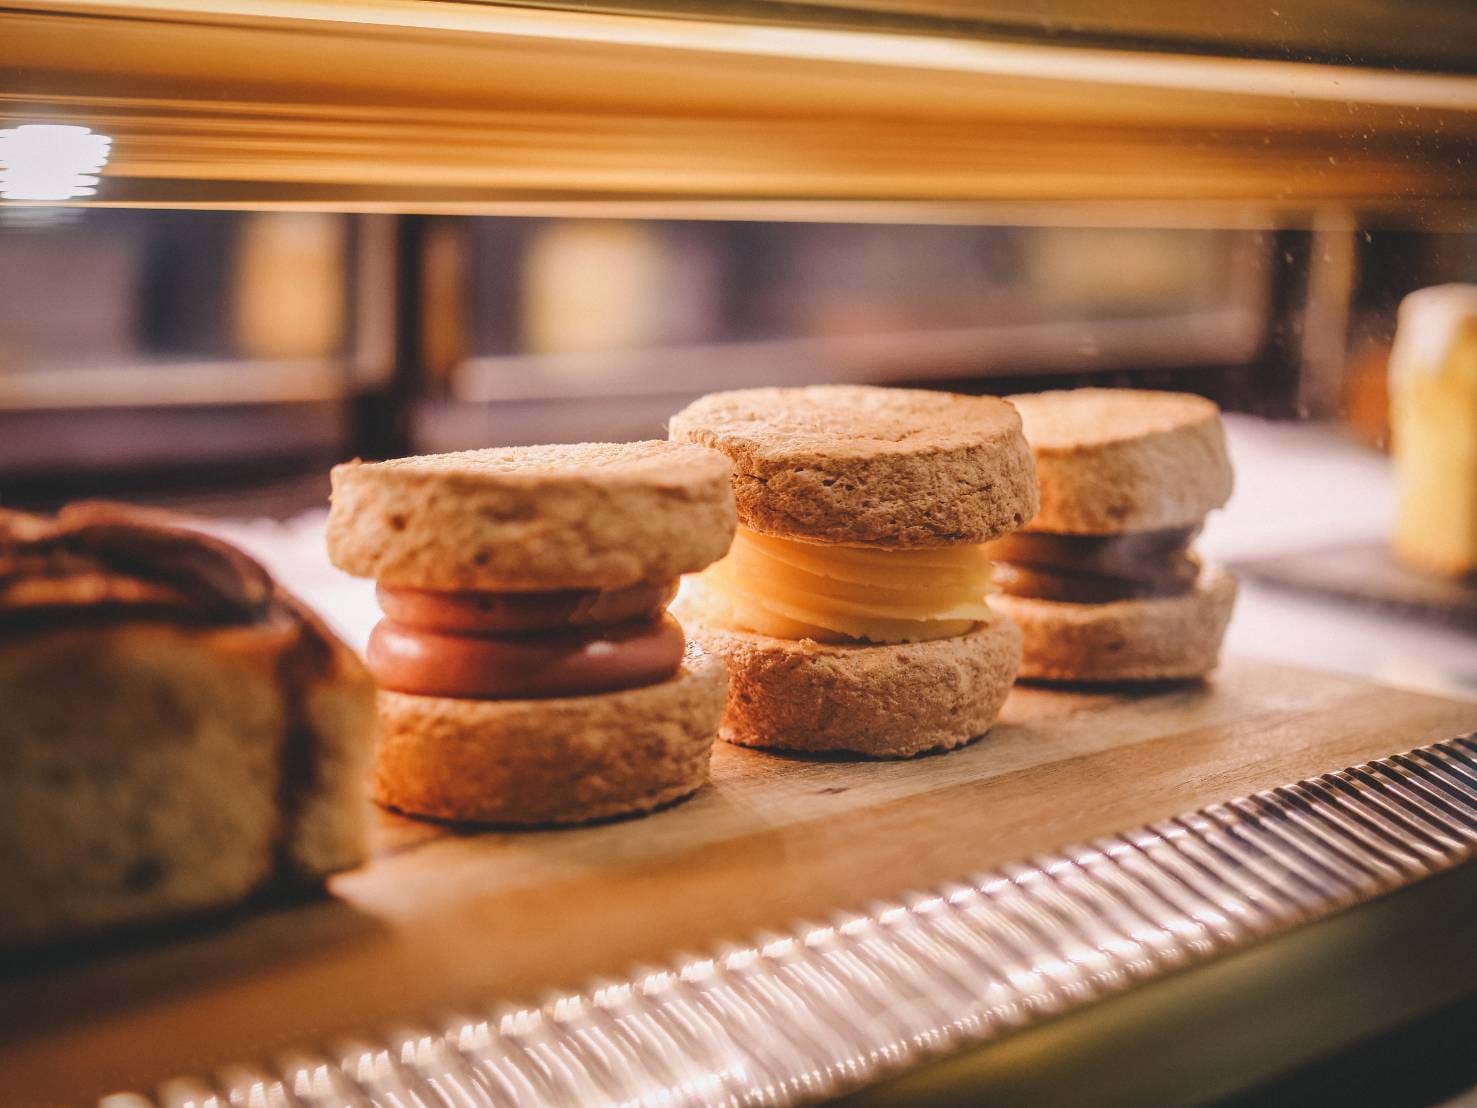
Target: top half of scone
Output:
{"points": [[897, 469], [533, 519], [862, 510], [1122, 461]]}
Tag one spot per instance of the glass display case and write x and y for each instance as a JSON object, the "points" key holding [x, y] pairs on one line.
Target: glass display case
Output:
{"points": [[245, 241]]}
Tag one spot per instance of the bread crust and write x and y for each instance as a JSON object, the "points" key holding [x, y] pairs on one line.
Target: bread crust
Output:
{"points": [[326, 820], [558, 761], [1111, 461], [882, 701], [143, 771], [1127, 640], [896, 468], [590, 515]]}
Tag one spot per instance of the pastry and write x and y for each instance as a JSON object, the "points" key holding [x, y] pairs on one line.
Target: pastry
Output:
{"points": [[1103, 582], [529, 672], [1433, 409], [179, 733], [853, 608]]}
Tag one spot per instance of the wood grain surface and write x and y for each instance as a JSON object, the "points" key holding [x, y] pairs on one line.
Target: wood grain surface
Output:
{"points": [[445, 918]]}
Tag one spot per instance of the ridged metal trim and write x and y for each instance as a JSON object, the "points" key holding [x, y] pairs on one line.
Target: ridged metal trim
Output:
{"points": [[794, 1017]]}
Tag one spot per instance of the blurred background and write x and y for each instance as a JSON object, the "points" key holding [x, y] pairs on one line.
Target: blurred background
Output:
{"points": [[376, 227], [292, 235], [222, 360]]}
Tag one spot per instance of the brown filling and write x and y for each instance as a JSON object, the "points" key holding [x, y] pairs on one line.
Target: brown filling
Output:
{"points": [[496, 646], [512, 612], [1096, 569]]}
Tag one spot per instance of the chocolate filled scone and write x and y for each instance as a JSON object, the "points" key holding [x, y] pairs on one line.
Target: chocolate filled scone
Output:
{"points": [[853, 608], [179, 734], [1104, 583], [528, 669]]}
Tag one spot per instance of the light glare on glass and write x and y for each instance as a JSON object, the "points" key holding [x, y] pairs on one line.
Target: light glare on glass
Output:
{"points": [[49, 161]]}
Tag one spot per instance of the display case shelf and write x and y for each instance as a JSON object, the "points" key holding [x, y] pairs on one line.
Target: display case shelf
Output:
{"points": [[427, 105]]}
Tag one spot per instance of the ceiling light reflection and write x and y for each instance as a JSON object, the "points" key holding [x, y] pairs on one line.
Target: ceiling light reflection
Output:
{"points": [[49, 161]]}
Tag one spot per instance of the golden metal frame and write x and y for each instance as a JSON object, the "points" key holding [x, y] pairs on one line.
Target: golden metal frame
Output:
{"points": [[462, 106]]}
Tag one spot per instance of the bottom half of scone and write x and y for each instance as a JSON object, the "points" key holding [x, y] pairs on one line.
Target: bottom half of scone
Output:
{"points": [[550, 761], [891, 700], [1155, 639], [152, 770]]}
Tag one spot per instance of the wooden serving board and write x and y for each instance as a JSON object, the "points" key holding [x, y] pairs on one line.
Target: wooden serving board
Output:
{"points": [[443, 919]]}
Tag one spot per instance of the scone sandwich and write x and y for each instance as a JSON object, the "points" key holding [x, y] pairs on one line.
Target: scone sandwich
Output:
{"points": [[178, 734], [1103, 582], [529, 672], [853, 607]]}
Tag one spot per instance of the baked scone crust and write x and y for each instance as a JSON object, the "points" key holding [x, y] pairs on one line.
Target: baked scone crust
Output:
{"points": [[557, 761], [1111, 461], [590, 515], [884, 701], [1127, 640], [895, 468]]}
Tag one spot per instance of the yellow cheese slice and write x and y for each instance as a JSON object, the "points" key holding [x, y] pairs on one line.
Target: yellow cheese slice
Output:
{"points": [[794, 590]]}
